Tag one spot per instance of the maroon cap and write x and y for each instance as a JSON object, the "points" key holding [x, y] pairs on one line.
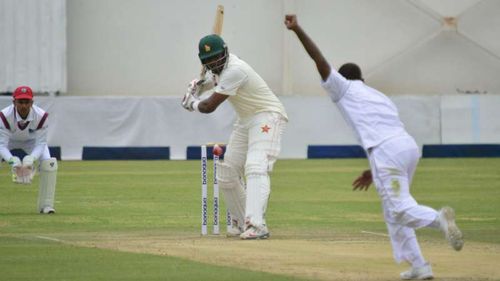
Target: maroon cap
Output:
{"points": [[23, 93]]}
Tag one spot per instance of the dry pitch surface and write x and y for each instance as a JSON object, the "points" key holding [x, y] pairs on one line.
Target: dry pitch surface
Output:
{"points": [[362, 256]]}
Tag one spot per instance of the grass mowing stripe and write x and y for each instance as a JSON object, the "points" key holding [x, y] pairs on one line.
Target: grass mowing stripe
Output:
{"points": [[47, 260], [310, 200]]}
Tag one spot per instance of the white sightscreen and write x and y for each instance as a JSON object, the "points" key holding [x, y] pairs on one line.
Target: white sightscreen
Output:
{"points": [[33, 45], [75, 122]]}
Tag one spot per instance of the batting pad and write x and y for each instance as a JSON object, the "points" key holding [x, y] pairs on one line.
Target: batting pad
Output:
{"points": [[258, 190], [233, 190], [48, 176]]}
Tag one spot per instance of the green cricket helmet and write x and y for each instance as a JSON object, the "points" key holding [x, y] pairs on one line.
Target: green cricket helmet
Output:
{"points": [[213, 53]]}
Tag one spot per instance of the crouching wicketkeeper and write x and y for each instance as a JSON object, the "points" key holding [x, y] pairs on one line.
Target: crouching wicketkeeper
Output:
{"points": [[24, 126]]}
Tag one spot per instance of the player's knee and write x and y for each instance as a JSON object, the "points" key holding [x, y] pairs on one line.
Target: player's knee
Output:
{"points": [[400, 215], [394, 215], [256, 168]]}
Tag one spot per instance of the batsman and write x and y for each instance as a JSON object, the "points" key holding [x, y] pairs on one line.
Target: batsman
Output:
{"points": [[254, 144], [23, 125]]}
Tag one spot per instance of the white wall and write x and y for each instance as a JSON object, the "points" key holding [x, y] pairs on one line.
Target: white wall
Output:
{"points": [[149, 47], [161, 121], [33, 45]]}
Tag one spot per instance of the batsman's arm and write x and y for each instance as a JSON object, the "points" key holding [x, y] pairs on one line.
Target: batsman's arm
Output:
{"points": [[228, 83], [310, 47], [207, 84], [211, 103]]}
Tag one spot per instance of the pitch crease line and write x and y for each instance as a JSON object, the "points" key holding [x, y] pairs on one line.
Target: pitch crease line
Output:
{"points": [[375, 233], [49, 238]]}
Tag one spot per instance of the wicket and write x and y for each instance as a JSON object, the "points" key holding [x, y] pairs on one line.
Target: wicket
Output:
{"points": [[204, 195]]}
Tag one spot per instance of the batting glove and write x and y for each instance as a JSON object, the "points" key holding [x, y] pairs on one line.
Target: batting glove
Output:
{"points": [[188, 100], [191, 95], [193, 87]]}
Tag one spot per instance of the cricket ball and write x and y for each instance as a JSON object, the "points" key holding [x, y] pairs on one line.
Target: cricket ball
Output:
{"points": [[217, 150]]}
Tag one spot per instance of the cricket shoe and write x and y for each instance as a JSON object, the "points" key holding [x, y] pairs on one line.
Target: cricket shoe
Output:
{"points": [[47, 210], [450, 229], [234, 230], [418, 273], [254, 232]]}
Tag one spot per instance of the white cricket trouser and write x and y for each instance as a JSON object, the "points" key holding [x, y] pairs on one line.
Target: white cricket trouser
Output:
{"points": [[393, 164], [253, 148]]}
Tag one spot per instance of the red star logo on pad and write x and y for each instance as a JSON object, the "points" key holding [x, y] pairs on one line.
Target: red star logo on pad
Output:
{"points": [[265, 129]]}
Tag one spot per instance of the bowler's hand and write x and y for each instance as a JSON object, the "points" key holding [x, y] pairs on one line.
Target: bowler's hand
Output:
{"points": [[363, 182], [291, 22]]}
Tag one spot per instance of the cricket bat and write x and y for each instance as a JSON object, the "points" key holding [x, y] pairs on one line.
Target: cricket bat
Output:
{"points": [[219, 19], [217, 29]]}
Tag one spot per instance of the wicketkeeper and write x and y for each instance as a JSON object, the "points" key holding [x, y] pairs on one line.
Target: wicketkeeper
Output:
{"points": [[254, 144], [23, 125]]}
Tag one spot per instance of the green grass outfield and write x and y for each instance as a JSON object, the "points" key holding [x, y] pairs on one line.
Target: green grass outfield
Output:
{"points": [[310, 199]]}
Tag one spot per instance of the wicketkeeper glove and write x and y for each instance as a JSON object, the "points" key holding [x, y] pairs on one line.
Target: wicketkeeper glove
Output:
{"points": [[15, 165], [24, 174], [14, 161], [28, 161]]}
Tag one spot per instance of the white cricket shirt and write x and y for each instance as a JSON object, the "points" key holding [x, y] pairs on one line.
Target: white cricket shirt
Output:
{"points": [[372, 115], [31, 130], [248, 92]]}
